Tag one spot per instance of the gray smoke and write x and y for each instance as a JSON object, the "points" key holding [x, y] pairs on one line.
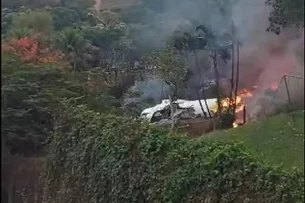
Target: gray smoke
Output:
{"points": [[181, 15], [264, 56]]}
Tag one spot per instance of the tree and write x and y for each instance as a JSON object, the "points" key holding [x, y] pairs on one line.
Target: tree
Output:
{"points": [[16, 4], [29, 51], [101, 37], [218, 49], [32, 94], [6, 20], [285, 13], [63, 17], [172, 69], [82, 4], [107, 18], [39, 22], [111, 49], [72, 43], [20, 33], [188, 43]]}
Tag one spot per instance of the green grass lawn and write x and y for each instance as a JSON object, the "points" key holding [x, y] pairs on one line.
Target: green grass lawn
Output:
{"points": [[277, 140]]}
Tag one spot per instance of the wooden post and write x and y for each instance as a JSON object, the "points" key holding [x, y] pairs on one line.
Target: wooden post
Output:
{"points": [[289, 99], [244, 115], [203, 112], [205, 102], [172, 112]]}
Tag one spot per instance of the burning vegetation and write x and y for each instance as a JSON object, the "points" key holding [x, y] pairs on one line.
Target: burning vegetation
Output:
{"points": [[259, 82], [239, 104]]}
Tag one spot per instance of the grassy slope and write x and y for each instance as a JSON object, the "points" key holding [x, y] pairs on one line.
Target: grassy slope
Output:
{"points": [[277, 139]]}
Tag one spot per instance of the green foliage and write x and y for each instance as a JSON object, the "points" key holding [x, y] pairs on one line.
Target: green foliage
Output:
{"points": [[103, 158], [209, 41], [32, 95], [285, 13], [6, 20], [26, 116], [72, 43], [20, 33], [100, 157], [16, 4], [277, 139], [110, 49], [82, 4], [135, 14], [64, 17], [39, 21], [171, 69], [102, 37], [107, 18]]}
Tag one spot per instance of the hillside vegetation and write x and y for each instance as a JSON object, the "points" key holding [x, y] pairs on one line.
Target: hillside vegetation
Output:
{"points": [[278, 140], [68, 135], [107, 158]]}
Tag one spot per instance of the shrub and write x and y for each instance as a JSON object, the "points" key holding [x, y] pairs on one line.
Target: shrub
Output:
{"points": [[33, 94], [104, 158]]}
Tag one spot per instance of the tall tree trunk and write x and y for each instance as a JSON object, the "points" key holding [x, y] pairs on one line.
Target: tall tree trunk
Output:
{"points": [[203, 112], [172, 98], [237, 75], [74, 64], [116, 75], [214, 57], [205, 102], [198, 92], [172, 112], [232, 71]]}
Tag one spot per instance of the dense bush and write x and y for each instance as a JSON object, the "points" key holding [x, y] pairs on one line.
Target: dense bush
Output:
{"points": [[32, 95], [103, 158], [27, 99], [64, 17]]}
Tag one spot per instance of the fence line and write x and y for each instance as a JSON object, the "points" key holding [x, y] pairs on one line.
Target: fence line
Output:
{"points": [[284, 81]]}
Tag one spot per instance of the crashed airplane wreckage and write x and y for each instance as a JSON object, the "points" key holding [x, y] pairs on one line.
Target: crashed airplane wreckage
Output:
{"points": [[183, 109]]}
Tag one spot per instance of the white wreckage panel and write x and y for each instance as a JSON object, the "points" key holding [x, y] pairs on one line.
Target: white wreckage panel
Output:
{"points": [[185, 108]]}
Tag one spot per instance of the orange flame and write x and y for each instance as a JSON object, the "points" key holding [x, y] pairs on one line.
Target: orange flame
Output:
{"points": [[240, 103], [241, 99], [274, 86], [235, 125]]}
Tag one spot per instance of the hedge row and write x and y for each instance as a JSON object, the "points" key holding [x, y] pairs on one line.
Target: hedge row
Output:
{"points": [[104, 158]]}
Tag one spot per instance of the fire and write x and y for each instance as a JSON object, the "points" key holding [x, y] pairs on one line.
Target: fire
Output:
{"points": [[235, 125], [274, 86], [241, 99], [240, 104]]}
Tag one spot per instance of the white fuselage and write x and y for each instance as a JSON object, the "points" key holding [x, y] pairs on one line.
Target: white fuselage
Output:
{"points": [[211, 103]]}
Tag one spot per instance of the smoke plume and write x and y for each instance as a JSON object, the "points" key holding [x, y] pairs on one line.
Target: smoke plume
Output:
{"points": [[264, 56]]}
